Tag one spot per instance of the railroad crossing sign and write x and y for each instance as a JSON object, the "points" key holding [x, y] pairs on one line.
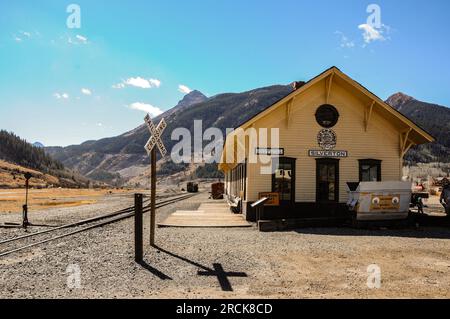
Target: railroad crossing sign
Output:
{"points": [[155, 139]]}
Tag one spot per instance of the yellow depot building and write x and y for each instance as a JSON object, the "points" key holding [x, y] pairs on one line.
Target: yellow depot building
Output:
{"points": [[331, 131]]}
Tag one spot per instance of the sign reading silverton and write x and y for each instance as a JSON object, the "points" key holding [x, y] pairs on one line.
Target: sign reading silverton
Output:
{"points": [[322, 153]]}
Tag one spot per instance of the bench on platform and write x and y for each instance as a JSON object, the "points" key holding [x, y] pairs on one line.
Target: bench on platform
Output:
{"points": [[234, 203]]}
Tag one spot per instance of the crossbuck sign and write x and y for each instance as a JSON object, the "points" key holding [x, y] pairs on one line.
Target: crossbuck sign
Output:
{"points": [[156, 133]]}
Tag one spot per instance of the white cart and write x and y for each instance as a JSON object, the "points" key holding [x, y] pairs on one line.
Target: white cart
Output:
{"points": [[379, 201]]}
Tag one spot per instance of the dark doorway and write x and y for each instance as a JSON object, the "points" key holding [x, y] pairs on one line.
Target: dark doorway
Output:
{"points": [[327, 180], [283, 180]]}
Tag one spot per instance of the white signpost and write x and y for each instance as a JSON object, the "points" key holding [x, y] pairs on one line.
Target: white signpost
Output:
{"points": [[154, 141]]}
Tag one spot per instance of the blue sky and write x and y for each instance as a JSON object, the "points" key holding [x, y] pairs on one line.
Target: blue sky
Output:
{"points": [[64, 86]]}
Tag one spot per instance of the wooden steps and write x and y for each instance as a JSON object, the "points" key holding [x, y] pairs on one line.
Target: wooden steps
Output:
{"points": [[208, 215]]}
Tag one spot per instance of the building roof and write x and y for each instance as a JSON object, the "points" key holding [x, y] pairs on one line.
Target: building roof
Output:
{"points": [[418, 136]]}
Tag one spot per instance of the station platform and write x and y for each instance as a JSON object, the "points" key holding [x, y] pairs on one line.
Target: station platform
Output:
{"points": [[208, 215]]}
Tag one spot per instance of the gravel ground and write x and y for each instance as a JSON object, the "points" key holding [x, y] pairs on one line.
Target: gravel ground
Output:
{"points": [[307, 263]]}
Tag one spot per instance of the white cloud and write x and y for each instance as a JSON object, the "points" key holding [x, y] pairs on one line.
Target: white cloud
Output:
{"points": [[370, 34], [79, 39], [22, 35], [86, 91], [99, 124], [155, 82], [60, 96], [345, 42], [143, 83], [152, 110], [118, 86], [139, 83], [184, 89]]}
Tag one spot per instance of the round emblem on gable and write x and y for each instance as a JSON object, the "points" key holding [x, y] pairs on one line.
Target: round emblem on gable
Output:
{"points": [[327, 116], [327, 139]]}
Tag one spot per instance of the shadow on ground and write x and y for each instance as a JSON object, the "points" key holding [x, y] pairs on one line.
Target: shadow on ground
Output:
{"points": [[217, 270]]}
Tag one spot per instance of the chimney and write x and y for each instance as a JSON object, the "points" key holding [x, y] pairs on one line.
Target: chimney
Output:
{"points": [[297, 84]]}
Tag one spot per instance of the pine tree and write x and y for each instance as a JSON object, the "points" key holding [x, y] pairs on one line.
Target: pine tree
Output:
{"points": [[16, 150]]}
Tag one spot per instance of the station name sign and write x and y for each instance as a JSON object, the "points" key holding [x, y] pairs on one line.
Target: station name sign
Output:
{"points": [[269, 151], [322, 153]]}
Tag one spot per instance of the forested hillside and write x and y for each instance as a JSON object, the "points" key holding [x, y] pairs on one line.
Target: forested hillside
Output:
{"points": [[17, 157], [16, 150]]}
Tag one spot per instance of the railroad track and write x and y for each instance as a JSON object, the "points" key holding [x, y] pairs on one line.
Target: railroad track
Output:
{"points": [[90, 223]]}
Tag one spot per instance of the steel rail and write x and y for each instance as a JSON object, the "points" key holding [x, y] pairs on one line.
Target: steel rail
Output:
{"points": [[74, 224], [104, 223], [94, 219]]}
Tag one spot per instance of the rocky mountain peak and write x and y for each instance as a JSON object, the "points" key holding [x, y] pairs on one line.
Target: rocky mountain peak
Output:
{"points": [[192, 98], [399, 99], [188, 100]]}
